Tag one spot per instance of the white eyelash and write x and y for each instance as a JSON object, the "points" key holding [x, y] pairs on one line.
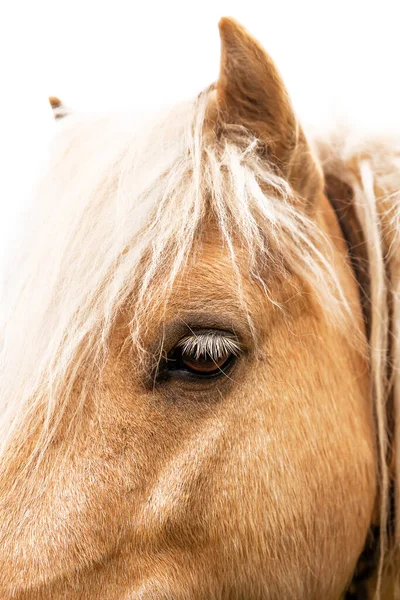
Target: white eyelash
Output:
{"points": [[216, 345]]}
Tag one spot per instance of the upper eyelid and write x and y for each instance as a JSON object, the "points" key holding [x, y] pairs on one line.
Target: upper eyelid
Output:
{"points": [[188, 323], [215, 344]]}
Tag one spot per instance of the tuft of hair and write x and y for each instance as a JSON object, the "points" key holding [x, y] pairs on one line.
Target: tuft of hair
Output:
{"points": [[58, 108], [119, 213]]}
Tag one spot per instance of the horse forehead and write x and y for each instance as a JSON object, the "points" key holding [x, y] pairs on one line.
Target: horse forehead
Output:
{"points": [[214, 274]]}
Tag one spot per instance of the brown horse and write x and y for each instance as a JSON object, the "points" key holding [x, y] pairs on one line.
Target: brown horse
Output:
{"points": [[199, 370]]}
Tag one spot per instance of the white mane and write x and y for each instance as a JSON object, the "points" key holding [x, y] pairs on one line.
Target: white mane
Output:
{"points": [[371, 167], [116, 195]]}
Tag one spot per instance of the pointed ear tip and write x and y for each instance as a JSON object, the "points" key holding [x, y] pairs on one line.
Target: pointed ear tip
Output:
{"points": [[224, 21], [231, 31], [228, 24], [54, 102]]}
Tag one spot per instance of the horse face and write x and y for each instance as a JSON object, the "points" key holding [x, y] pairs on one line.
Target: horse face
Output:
{"points": [[256, 483], [247, 473]]}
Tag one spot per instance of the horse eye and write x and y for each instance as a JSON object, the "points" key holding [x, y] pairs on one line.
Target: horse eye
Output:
{"points": [[183, 362], [205, 364]]}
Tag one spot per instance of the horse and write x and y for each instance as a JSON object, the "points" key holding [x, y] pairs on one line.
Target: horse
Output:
{"points": [[200, 355]]}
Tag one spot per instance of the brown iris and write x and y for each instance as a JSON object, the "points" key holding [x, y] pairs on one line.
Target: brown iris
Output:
{"points": [[204, 364]]}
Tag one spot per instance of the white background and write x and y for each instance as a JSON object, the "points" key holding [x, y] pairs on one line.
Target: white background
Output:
{"points": [[338, 58]]}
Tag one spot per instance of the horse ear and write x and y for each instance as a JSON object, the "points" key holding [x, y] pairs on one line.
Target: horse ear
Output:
{"points": [[59, 109], [251, 93]]}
